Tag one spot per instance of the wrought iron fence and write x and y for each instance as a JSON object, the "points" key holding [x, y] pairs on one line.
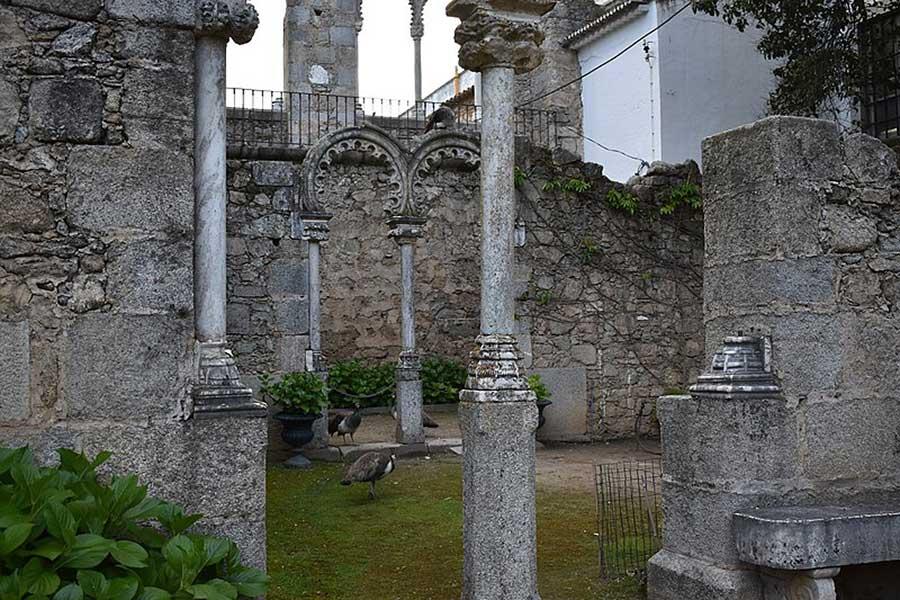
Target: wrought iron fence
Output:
{"points": [[629, 516], [264, 118], [880, 102]]}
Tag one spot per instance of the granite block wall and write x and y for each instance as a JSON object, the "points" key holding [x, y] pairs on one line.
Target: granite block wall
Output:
{"points": [[96, 243]]}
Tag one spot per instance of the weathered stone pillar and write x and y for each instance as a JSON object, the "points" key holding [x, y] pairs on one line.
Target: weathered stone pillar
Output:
{"points": [[218, 389], [314, 229], [498, 416], [417, 31], [405, 231]]}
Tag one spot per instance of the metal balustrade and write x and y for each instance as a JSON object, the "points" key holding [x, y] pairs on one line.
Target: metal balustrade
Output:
{"points": [[264, 119]]}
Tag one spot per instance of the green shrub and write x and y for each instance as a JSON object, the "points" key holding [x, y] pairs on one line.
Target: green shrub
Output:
{"points": [[537, 386], [66, 535], [298, 392], [370, 385], [442, 379]]}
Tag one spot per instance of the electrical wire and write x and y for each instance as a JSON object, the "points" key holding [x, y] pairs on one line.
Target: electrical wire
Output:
{"points": [[643, 163], [608, 61]]}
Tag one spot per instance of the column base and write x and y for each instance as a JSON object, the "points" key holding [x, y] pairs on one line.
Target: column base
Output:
{"points": [[499, 532], [409, 400], [672, 576], [219, 391], [809, 585]]}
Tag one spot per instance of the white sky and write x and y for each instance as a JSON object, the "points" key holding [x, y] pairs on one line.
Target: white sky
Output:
{"points": [[385, 50]]}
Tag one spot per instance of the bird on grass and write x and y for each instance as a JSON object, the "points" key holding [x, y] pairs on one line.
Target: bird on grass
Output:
{"points": [[427, 421], [369, 468], [344, 424], [442, 118]]}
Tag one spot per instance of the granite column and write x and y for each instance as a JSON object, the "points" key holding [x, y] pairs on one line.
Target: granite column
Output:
{"points": [[498, 415], [219, 389]]}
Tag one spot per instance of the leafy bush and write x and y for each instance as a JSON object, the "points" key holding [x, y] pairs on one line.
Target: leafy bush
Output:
{"points": [[298, 392], [537, 386], [371, 385], [65, 535], [442, 379], [352, 381]]}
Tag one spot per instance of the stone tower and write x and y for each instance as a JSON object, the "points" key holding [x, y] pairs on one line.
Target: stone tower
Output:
{"points": [[320, 46]]}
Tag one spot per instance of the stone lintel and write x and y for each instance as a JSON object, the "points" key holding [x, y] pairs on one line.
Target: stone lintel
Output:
{"points": [[235, 19], [807, 538], [499, 33]]}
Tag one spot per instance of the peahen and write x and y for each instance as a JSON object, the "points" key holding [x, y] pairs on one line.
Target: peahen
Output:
{"points": [[369, 468], [442, 118], [427, 421]]}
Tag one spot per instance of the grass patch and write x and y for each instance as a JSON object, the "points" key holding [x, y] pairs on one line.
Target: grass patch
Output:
{"points": [[328, 541]]}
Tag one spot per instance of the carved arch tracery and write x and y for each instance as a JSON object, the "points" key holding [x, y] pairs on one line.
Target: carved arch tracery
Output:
{"points": [[407, 172]]}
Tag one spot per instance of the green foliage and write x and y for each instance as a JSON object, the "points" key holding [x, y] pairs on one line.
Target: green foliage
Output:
{"points": [[569, 186], [65, 535], [373, 385], [815, 44], [683, 194], [621, 200], [519, 177], [442, 379], [589, 249], [544, 297], [297, 392], [537, 386]]}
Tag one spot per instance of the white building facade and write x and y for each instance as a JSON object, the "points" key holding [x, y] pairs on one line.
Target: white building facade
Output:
{"points": [[695, 77]]}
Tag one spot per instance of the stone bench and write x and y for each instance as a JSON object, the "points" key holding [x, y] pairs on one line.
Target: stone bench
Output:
{"points": [[800, 550]]}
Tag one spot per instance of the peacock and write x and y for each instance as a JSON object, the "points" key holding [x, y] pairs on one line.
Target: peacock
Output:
{"points": [[442, 118], [369, 468], [427, 420], [344, 424]]}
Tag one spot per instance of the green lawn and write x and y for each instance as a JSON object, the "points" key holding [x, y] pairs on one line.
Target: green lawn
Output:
{"points": [[329, 541]]}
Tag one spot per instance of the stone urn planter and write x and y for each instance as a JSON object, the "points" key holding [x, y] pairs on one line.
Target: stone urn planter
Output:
{"points": [[296, 428], [541, 405]]}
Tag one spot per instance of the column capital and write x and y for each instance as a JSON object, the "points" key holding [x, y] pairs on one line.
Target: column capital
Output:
{"points": [[499, 33], [235, 19], [406, 230], [417, 25], [314, 227]]}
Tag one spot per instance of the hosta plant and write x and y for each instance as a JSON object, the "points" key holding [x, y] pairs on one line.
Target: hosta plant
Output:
{"points": [[67, 534]]}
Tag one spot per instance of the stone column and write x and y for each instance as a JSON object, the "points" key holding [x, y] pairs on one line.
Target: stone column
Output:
{"points": [[417, 31], [219, 389], [314, 229], [405, 231], [498, 416]]}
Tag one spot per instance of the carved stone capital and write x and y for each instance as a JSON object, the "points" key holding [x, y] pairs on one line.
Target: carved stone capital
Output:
{"points": [[800, 585], [409, 366], [315, 361], [406, 230], [499, 33], [314, 227], [219, 390], [417, 24], [235, 19], [494, 374]]}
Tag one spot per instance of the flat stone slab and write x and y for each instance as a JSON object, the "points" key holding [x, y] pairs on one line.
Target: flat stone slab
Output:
{"points": [[803, 538]]}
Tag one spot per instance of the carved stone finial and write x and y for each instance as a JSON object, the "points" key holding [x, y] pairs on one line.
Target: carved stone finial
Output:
{"points": [[417, 25], [235, 19], [359, 16], [496, 33]]}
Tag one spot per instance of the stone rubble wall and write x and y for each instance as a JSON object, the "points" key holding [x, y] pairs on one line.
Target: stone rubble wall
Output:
{"points": [[96, 322], [615, 332]]}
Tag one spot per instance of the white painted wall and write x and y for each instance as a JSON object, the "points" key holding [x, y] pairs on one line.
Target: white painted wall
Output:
{"points": [[621, 100], [712, 79]]}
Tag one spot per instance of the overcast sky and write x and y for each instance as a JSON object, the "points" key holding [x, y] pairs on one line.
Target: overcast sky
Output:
{"points": [[385, 50]]}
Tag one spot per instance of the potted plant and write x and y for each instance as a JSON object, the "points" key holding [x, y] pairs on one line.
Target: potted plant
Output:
{"points": [[543, 396], [302, 398]]}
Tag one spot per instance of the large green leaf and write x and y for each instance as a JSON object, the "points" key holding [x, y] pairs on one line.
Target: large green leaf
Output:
{"points": [[215, 549], [178, 550], [152, 593], [89, 551], [216, 589], [129, 554], [121, 588], [251, 583], [93, 583], [44, 584], [14, 536], [61, 523], [70, 592], [48, 548]]}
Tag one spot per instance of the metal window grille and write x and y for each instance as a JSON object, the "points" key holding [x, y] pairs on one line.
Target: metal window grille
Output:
{"points": [[880, 52], [274, 119], [629, 516]]}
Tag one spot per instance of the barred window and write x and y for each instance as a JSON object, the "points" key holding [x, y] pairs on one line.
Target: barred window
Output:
{"points": [[880, 53]]}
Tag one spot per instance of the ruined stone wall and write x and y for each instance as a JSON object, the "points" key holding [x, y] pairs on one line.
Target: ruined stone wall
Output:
{"points": [[96, 322], [609, 304], [320, 46]]}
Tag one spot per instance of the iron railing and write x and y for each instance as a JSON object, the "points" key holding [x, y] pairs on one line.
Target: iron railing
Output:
{"points": [[880, 102], [263, 118], [629, 516]]}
